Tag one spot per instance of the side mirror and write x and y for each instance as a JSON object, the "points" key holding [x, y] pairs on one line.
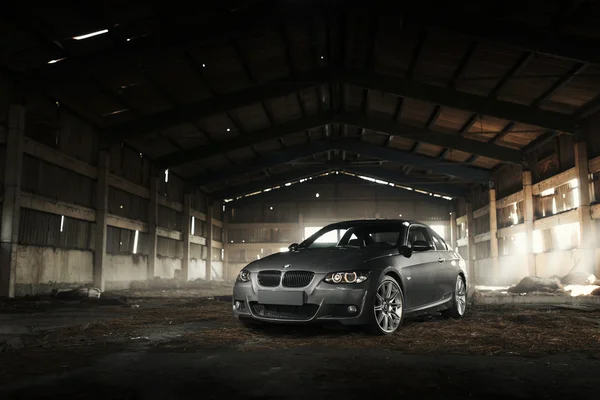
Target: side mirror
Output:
{"points": [[405, 251], [421, 245], [293, 247]]}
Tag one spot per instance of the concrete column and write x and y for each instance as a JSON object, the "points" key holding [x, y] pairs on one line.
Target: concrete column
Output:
{"points": [[471, 241], [101, 218], [209, 239], [452, 231], [226, 272], [528, 220], [586, 231], [152, 225], [300, 227], [186, 236], [11, 207], [494, 236]]}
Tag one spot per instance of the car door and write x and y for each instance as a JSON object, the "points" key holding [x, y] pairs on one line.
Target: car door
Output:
{"points": [[446, 271], [422, 272]]}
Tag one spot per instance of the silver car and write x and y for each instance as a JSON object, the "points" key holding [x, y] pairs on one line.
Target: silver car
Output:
{"points": [[366, 272]]}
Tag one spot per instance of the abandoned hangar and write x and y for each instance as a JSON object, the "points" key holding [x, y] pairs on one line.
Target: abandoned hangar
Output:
{"points": [[137, 141]]}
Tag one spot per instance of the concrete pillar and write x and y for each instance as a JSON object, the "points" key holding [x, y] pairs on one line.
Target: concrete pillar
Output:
{"points": [[300, 227], [471, 242], [226, 271], [528, 221], [152, 226], [494, 236], [101, 218], [209, 239], [11, 205], [452, 231], [586, 230], [186, 236]]}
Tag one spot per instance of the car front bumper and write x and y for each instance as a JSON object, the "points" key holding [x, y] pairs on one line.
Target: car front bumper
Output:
{"points": [[322, 302]]}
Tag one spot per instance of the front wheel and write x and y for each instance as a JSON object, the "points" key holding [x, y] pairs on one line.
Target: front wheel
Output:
{"points": [[459, 301], [387, 307]]}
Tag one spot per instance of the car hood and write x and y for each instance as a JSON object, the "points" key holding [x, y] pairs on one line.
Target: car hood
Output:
{"points": [[319, 260]]}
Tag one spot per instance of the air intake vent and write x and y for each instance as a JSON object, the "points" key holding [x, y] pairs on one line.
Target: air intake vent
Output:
{"points": [[269, 278], [297, 278]]}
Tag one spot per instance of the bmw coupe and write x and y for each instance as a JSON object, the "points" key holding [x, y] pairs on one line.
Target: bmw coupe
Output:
{"points": [[366, 272]]}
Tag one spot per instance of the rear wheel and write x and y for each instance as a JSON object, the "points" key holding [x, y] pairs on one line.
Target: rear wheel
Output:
{"points": [[459, 301], [387, 307]]}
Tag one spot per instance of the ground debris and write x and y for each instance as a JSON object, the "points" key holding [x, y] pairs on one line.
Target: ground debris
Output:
{"points": [[11, 344], [531, 284]]}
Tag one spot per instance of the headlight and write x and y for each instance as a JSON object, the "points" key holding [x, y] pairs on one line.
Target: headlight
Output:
{"points": [[347, 277], [244, 276]]}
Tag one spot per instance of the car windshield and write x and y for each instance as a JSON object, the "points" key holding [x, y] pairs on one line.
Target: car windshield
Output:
{"points": [[360, 235]]}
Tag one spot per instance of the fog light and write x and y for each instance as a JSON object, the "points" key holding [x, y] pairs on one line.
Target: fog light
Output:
{"points": [[352, 309], [237, 305]]}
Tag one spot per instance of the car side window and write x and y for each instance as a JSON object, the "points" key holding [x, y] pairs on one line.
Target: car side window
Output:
{"points": [[419, 233], [439, 245]]}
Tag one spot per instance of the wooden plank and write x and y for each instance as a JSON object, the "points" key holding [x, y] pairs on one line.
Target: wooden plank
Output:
{"points": [[461, 220], [176, 235], [481, 211], [568, 217], [198, 240], [511, 230], [265, 225], [198, 215], [55, 157], [217, 223], [163, 201], [43, 204], [126, 223], [556, 180], [484, 237], [462, 242], [129, 187], [510, 200], [594, 165]]}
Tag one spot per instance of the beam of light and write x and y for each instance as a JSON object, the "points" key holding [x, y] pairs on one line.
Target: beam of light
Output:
{"points": [[194, 225], [135, 242], [62, 222], [92, 34], [56, 60], [580, 290]]}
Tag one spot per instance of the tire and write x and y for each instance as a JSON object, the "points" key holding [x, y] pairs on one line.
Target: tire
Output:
{"points": [[459, 300], [387, 308]]}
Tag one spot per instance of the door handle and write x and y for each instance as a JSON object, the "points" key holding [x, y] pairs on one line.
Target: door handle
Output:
{"points": [[441, 260]]}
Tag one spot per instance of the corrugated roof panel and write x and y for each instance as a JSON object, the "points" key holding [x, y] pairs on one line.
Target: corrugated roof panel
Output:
{"points": [[431, 150], [439, 58], [182, 81], [416, 112], [299, 47], [252, 117], [264, 55], [284, 108], [381, 104]]}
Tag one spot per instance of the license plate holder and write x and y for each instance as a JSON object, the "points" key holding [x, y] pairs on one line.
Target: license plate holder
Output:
{"points": [[284, 298]]}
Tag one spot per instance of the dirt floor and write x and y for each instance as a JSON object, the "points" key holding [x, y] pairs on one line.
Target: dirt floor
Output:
{"points": [[185, 344]]}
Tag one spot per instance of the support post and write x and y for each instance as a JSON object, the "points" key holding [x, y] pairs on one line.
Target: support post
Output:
{"points": [[494, 236], [209, 239], [452, 230], [528, 220], [186, 236], [226, 271], [11, 205], [471, 242], [586, 231], [101, 218], [152, 226], [300, 227]]}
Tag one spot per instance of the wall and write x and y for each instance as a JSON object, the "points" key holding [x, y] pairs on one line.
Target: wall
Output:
{"points": [[41, 269], [59, 195], [258, 226]]}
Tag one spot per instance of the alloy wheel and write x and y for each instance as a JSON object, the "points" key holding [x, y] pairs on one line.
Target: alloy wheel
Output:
{"points": [[388, 306]]}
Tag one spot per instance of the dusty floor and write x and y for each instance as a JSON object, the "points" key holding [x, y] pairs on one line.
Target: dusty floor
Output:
{"points": [[174, 344]]}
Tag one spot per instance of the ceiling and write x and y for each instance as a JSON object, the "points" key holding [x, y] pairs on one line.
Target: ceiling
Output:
{"points": [[242, 94]]}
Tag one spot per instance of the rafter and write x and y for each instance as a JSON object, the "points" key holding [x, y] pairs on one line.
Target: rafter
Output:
{"points": [[247, 140], [455, 99], [216, 105], [436, 138], [396, 156]]}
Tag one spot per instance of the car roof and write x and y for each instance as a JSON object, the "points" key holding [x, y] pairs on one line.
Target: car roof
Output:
{"points": [[371, 222]]}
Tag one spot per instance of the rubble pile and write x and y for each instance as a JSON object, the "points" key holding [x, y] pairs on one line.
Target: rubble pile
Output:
{"points": [[574, 283]]}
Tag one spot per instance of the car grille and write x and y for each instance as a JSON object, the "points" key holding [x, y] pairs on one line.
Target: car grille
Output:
{"points": [[297, 278], [269, 278], [304, 312]]}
